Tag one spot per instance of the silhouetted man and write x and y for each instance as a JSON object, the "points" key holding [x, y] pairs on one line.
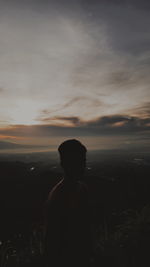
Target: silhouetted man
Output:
{"points": [[68, 236]]}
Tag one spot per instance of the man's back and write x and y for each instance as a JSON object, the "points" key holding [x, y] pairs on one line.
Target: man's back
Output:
{"points": [[68, 237]]}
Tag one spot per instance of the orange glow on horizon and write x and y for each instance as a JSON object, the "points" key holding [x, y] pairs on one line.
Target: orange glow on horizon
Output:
{"points": [[4, 137]]}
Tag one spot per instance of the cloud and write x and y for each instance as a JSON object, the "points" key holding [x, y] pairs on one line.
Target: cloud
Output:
{"points": [[117, 125], [64, 106], [142, 110], [88, 102], [73, 121], [99, 48]]}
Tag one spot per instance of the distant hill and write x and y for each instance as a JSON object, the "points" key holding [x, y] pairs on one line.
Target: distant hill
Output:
{"points": [[11, 145]]}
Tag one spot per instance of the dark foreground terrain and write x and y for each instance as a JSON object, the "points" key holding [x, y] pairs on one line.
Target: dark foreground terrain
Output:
{"points": [[119, 185]]}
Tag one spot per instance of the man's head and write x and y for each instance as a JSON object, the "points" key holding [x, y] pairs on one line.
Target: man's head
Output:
{"points": [[73, 158]]}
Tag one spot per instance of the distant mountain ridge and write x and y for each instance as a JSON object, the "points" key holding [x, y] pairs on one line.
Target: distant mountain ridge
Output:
{"points": [[11, 145]]}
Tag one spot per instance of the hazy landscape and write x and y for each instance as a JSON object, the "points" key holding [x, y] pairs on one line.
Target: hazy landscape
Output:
{"points": [[118, 183]]}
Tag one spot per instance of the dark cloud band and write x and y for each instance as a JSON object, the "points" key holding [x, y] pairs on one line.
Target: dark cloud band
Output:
{"points": [[103, 126]]}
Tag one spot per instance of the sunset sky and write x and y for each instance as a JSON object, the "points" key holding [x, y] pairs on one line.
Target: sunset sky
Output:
{"points": [[74, 69]]}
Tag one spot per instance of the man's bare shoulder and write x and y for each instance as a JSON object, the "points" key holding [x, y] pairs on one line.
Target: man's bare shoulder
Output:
{"points": [[55, 190]]}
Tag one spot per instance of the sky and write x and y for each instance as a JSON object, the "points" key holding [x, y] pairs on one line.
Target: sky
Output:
{"points": [[74, 69]]}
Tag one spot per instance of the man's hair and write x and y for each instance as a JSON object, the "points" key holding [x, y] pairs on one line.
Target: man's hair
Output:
{"points": [[72, 153]]}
